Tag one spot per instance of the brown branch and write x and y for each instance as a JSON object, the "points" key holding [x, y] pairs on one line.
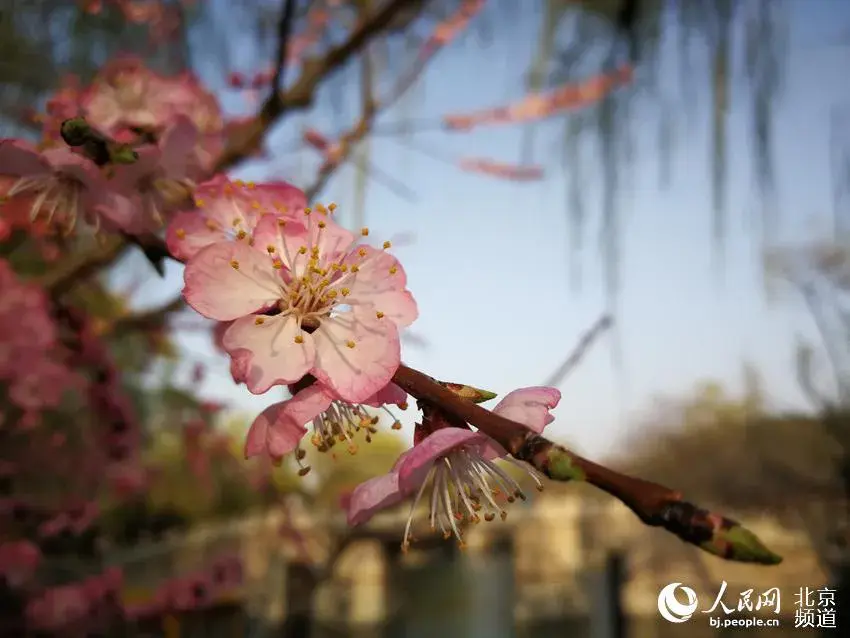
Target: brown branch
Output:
{"points": [[350, 139], [596, 330], [284, 29], [82, 265], [153, 318], [248, 138], [654, 504]]}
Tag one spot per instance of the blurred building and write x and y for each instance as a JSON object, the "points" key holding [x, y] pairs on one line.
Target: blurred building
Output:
{"points": [[540, 568]]}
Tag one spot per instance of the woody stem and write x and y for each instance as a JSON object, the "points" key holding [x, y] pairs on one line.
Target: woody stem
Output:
{"points": [[655, 505]]}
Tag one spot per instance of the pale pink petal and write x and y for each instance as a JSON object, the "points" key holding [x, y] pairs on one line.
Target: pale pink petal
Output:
{"points": [[178, 140], [379, 286], [389, 395], [529, 406], [355, 374], [414, 469], [309, 403], [288, 240], [118, 212], [282, 196], [268, 351], [397, 306], [373, 275], [280, 427], [239, 367], [217, 290], [332, 240], [373, 495], [273, 432], [21, 158], [255, 440], [284, 436], [190, 231], [81, 168]]}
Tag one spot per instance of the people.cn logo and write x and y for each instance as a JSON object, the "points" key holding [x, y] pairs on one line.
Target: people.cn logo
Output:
{"points": [[669, 606]]}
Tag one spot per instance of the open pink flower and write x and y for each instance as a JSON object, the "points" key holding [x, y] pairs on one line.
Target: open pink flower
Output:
{"points": [[305, 300], [278, 430], [18, 562], [58, 608], [458, 464], [229, 210], [57, 185], [127, 94], [159, 182]]}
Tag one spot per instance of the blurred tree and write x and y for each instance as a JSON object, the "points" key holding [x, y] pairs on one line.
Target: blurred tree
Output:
{"points": [[819, 272], [46, 39]]}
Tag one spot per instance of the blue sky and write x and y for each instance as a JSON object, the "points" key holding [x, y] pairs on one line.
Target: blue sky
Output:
{"points": [[490, 263]]}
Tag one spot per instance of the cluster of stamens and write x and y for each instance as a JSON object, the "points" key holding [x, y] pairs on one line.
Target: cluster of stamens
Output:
{"points": [[57, 197], [466, 488], [323, 283], [341, 423], [238, 223]]}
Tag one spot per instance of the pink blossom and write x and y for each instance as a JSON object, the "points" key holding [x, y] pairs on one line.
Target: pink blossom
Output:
{"points": [[230, 210], [159, 182], [18, 562], [127, 94], [29, 348], [278, 430], [57, 608], [305, 300], [41, 384], [459, 465], [58, 185]]}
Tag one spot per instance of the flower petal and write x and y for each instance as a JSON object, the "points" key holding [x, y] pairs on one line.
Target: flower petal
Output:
{"points": [[332, 239], [379, 286], [373, 275], [280, 427], [266, 353], [64, 160], [529, 406], [21, 158], [255, 440], [415, 467], [371, 496], [356, 373], [398, 306], [177, 146], [389, 395], [308, 403], [218, 290], [285, 238], [190, 231]]}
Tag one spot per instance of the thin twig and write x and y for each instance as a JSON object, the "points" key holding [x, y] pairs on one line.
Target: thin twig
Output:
{"points": [[300, 96], [654, 504], [249, 136], [588, 338], [283, 32], [152, 318]]}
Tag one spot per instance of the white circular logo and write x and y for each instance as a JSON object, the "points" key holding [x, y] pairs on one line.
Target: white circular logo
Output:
{"points": [[671, 609]]}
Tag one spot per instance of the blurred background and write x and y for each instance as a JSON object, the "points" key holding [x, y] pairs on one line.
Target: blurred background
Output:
{"points": [[691, 179]]}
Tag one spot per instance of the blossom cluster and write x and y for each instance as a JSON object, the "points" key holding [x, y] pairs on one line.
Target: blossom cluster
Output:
{"points": [[31, 361], [297, 300], [304, 303], [196, 590], [163, 134]]}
